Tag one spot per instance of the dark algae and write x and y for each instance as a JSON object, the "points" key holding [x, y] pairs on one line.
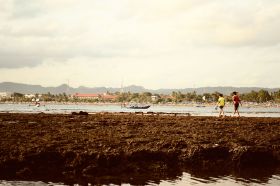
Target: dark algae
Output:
{"points": [[104, 148]]}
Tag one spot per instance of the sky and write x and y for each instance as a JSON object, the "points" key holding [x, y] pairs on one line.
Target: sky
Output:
{"points": [[150, 43]]}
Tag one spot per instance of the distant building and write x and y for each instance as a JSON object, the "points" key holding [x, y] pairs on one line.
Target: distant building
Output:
{"points": [[86, 96], [104, 96], [108, 97], [5, 94], [29, 96], [167, 98], [154, 98]]}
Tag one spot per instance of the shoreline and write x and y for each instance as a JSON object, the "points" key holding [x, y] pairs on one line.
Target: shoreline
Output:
{"points": [[77, 148], [193, 104], [194, 110]]}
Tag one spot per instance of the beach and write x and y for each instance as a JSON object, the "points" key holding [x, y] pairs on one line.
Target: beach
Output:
{"points": [[132, 148]]}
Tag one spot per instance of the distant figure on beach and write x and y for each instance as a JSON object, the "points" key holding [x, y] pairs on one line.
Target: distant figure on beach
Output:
{"points": [[221, 103], [37, 102], [236, 101]]}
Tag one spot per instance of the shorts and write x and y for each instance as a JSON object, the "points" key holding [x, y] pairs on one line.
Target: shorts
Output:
{"points": [[236, 105], [221, 107]]}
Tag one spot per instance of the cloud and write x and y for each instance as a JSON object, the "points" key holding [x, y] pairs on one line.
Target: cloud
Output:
{"points": [[206, 67], [26, 9], [238, 23], [173, 39]]}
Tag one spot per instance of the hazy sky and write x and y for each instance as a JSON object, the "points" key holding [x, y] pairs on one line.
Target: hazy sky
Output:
{"points": [[152, 43]]}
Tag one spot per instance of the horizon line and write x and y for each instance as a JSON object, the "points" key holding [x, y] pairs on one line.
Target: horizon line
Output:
{"points": [[107, 87]]}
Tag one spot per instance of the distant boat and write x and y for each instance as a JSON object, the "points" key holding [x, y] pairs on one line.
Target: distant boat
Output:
{"points": [[138, 107], [135, 106]]}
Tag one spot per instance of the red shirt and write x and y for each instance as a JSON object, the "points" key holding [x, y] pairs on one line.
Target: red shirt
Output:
{"points": [[236, 99]]}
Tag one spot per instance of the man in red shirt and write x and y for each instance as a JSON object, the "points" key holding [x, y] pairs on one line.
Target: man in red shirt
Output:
{"points": [[236, 101]]}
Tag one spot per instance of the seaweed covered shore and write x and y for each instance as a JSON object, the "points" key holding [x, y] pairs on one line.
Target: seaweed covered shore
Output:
{"points": [[132, 148]]}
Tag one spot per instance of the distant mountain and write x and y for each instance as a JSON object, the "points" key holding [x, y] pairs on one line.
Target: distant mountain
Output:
{"points": [[223, 90], [32, 89]]}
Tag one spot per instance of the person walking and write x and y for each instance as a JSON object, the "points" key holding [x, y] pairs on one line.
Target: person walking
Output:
{"points": [[221, 103], [236, 102]]}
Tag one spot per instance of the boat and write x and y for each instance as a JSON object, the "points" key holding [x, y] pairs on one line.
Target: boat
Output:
{"points": [[138, 106], [133, 105]]}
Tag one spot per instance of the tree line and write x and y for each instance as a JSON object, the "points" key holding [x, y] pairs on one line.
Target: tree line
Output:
{"points": [[260, 96]]}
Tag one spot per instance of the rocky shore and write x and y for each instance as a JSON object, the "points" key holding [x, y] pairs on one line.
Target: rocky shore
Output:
{"points": [[133, 148]]}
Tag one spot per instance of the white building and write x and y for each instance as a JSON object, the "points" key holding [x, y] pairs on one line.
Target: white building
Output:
{"points": [[29, 96], [5, 94], [154, 98]]}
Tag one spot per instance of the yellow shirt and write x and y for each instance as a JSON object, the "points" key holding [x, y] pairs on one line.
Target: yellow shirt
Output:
{"points": [[221, 101]]}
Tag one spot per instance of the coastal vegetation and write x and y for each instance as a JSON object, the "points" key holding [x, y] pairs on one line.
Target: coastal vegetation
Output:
{"points": [[176, 97]]}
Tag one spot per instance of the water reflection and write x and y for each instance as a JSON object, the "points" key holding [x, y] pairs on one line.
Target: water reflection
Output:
{"points": [[246, 177], [230, 180]]}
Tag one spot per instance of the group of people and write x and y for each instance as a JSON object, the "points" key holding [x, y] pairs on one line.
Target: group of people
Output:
{"points": [[236, 102]]}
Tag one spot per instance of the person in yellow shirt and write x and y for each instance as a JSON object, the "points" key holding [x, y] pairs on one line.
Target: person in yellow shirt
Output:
{"points": [[221, 103]]}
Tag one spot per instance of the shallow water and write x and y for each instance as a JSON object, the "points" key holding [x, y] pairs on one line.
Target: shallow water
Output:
{"points": [[193, 110], [185, 179]]}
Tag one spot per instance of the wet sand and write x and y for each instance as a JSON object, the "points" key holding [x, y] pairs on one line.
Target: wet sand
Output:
{"points": [[133, 148]]}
